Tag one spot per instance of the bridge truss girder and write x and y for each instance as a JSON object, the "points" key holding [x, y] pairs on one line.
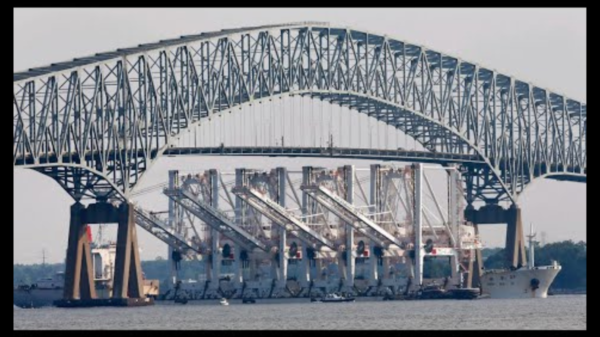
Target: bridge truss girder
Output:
{"points": [[130, 105]]}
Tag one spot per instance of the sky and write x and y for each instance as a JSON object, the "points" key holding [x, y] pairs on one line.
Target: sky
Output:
{"points": [[542, 46]]}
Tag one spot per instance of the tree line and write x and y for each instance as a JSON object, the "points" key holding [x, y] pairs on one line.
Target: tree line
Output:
{"points": [[570, 255]]}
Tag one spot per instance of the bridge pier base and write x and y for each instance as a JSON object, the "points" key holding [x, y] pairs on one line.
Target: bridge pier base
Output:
{"points": [[79, 282], [79, 277], [515, 244]]}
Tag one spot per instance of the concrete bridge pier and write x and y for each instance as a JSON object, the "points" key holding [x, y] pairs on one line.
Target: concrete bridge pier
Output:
{"points": [[515, 245], [79, 282], [79, 277]]}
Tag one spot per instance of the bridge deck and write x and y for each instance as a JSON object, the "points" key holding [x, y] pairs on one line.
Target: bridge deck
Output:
{"points": [[337, 152]]}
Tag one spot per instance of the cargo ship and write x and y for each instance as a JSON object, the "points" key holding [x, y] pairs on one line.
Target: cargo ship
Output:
{"points": [[525, 282]]}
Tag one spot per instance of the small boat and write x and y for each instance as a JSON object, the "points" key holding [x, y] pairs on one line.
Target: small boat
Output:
{"points": [[336, 298], [223, 301]]}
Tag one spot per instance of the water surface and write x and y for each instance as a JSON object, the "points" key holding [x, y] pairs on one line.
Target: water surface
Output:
{"points": [[561, 312]]}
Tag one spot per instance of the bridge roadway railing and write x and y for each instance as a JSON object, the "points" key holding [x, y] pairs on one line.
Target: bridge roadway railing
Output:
{"points": [[351, 215], [215, 219], [162, 231], [282, 217]]}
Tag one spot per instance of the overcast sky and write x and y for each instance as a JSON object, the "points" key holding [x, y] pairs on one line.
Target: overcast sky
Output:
{"points": [[542, 46]]}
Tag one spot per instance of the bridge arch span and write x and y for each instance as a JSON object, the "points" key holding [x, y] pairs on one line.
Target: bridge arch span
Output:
{"points": [[116, 112]]}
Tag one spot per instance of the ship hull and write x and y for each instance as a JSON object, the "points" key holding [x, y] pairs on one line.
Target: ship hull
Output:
{"points": [[43, 297], [36, 298], [520, 283]]}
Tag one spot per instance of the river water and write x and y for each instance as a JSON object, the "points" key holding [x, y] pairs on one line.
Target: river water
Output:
{"points": [[561, 312]]}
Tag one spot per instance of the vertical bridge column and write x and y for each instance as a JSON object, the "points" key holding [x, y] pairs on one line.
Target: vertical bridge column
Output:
{"points": [[128, 281], [79, 277], [515, 244]]}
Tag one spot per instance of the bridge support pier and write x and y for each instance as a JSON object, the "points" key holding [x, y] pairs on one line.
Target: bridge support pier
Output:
{"points": [[79, 277], [128, 270], [79, 283], [515, 245]]}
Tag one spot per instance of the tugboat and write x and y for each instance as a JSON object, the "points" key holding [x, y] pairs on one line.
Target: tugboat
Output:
{"points": [[334, 298]]}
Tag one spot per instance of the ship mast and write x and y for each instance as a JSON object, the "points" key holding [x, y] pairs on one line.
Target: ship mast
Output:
{"points": [[531, 249]]}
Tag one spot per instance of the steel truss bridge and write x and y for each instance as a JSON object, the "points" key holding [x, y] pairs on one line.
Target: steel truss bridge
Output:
{"points": [[97, 123]]}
